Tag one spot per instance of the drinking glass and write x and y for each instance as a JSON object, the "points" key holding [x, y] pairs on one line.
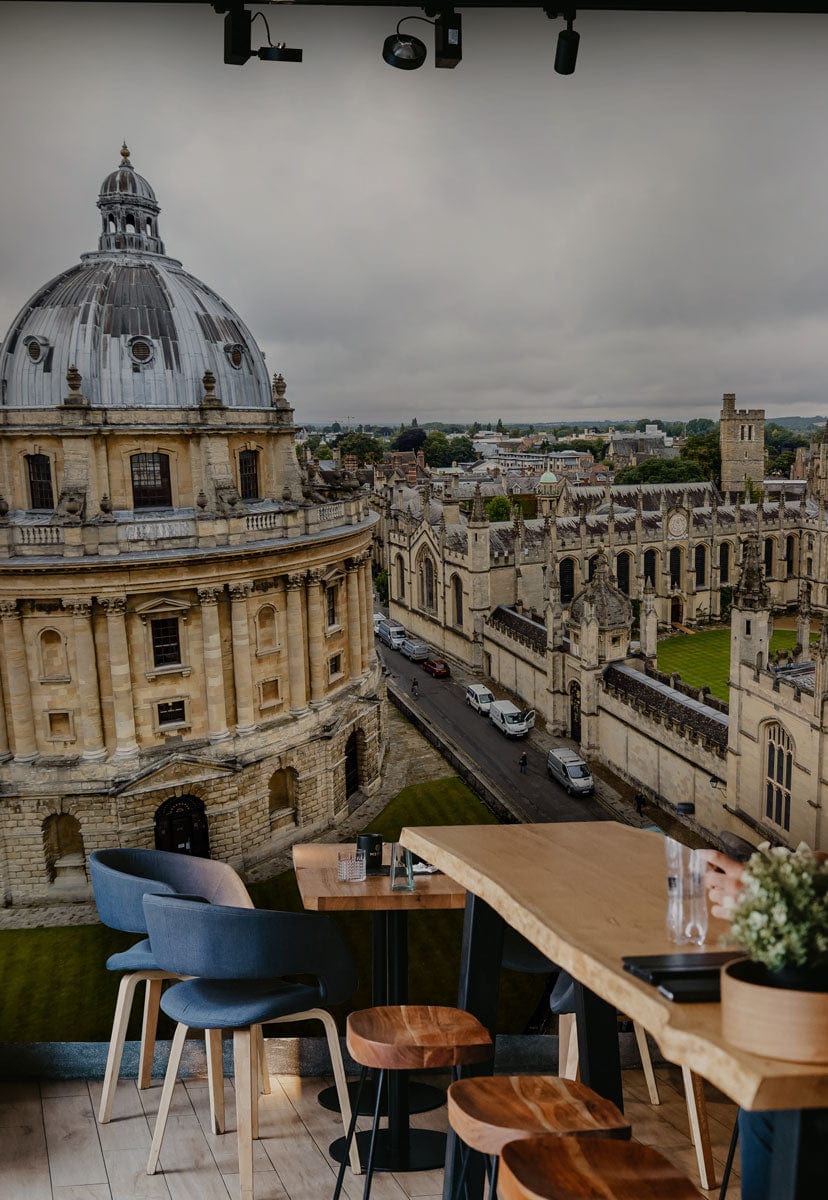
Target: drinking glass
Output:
{"points": [[350, 866], [686, 893], [402, 869]]}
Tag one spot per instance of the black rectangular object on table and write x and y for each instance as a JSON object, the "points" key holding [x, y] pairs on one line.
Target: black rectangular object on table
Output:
{"points": [[692, 989], [654, 968]]}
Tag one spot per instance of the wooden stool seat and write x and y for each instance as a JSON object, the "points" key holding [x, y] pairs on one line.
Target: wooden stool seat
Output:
{"points": [[489, 1111], [578, 1168], [413, 1037]]}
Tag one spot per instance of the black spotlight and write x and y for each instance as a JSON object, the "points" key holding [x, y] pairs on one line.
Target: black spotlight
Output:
{"points": [[404, 51], [566, 54], [279, 53]]}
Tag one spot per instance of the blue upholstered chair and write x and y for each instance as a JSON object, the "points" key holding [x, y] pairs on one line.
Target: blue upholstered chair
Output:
{"points": [[243, 963], [120, 880]]}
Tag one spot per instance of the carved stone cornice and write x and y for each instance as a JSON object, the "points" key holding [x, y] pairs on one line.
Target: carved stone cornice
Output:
{"points": [[240, 591], [9, 609], [294, 582], [78, 606], [314, 578]]}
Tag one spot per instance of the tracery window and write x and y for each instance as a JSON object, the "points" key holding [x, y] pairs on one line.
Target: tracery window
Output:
{"points": [[700, 563], [778, 768], [675, 567], [724, 563], [566, 574], [650, 566], [769, 558], [622, 572]]}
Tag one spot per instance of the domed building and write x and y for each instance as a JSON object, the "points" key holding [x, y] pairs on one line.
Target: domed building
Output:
{"points": [[186, 639]]}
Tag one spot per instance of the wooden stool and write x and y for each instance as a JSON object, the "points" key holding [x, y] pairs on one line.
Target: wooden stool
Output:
{"points": [[573, 1168], [487, 1112], [407, 1037]]}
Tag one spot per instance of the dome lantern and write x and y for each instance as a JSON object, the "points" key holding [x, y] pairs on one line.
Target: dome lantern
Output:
{"points": [[129, 211]]}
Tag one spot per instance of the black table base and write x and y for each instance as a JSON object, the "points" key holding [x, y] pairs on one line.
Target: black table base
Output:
{"points": [[422, 1097], [423, 1150]]}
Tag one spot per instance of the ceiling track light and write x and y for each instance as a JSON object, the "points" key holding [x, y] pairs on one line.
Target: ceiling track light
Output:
{"points": [[408, 53], [238, 24], [566, 51]]}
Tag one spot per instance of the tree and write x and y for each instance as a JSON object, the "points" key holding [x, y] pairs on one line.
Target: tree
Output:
{"points": [[336, 427], [705, 451], [436, 450], [462, 449], [324, 452], [381, 586], [499, 425], [662, 470], [365, 447], [699, 425], [498, 508], [409, 439]]}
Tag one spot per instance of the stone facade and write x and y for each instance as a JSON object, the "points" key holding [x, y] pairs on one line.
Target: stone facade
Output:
{"points": [[186, 640]]}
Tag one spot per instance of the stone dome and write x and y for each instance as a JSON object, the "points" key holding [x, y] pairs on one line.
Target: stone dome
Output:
{"points": [[611, 607], [139, 328], [548, 477]]}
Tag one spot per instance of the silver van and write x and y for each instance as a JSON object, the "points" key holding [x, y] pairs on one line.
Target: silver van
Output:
{"points": [[569, 770], [392, 633], [509, 719], [414, 650], [479, 698]]}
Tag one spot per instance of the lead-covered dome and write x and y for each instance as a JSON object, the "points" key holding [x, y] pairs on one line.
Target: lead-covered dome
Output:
{"points": [[139, 328], [606, 601]]}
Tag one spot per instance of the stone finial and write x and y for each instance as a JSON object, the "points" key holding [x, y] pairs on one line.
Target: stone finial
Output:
{"points": [[277, 390], [822, 648], [752, 589], [74, 380], [201, 499], [105, 504], [125, 152], [478, 512]]}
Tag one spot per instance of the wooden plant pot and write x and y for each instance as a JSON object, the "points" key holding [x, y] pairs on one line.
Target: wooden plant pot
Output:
{"points": [[772, 1021]]}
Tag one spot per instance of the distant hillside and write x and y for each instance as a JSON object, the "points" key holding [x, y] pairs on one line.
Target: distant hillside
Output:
{"points": [[799, 423]]}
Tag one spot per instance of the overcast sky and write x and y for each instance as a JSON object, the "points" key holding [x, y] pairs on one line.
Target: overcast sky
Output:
{"points": [[633, 240]]}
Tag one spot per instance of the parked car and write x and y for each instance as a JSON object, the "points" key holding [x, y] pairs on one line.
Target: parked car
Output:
{"points": [[392, 633], [414, 650], [378, 616], [509, 719], [479, 698], [437, 667], [568, 769]]}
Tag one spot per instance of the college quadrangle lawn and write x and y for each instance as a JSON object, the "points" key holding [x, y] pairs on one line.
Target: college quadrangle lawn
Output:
{"points": [[703, 659]]}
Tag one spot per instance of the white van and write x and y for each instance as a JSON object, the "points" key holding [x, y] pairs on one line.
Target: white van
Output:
{"points": [[479, 698], [511, 720], [568, 769], [414, 650], [392, 633]]}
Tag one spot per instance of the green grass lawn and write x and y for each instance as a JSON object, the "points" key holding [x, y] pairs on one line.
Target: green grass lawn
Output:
{"points": [[55, 986], [703, 659]]}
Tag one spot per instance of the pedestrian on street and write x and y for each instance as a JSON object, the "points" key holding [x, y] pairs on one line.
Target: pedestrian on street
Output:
{"points": [[639, 803], [415, 688], [523, 762]]}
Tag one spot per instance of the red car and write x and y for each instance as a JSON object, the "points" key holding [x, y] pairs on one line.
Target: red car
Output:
{"points": [[437, 668]]}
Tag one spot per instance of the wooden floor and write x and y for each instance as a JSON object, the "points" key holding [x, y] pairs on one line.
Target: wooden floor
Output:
{"points": [[52, 1148]]}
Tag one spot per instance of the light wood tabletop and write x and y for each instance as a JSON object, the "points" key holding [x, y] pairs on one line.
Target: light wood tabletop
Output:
{"points": [[321, 891], [588, 893]]}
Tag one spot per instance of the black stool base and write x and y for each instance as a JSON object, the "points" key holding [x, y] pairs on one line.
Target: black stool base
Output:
{"points": [[425, 1151], [422, 1097]]}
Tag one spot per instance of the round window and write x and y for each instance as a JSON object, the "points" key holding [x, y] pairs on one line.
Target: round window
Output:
{"points": [[140, 350], [34, 349]]}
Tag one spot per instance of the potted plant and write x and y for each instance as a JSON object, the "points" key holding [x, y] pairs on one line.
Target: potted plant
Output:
{"points": [[775, 1001]]}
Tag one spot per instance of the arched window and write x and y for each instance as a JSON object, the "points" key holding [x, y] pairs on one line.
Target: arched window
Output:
{"points": [[592, 565], [400, 577], [650, 566], [457, 600], [61, 836], [41, 494], [52, 655], [809, 566], [151, 486], [622, 572], [129, 223], [111, 224], [249, 474], [149, 227], [700, 564], [790, 556], [724, 563], [181, 826], [778, 767], [675, 567], [427, 590], [267, 639], [566, 574], [769, 558]]}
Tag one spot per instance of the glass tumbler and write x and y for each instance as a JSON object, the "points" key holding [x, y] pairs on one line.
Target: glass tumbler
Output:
{"points": [[686, 894], [350, 867]]}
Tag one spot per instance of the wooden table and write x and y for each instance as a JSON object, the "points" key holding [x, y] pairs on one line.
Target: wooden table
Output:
{"points": [[400, 1148], [585, 894]]}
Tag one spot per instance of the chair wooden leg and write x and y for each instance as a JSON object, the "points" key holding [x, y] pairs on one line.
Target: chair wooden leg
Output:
{"points": [[341, 1082], [215, 1078], [166, 1097], [123, 1007], [697, 1114], [149, 1026], [646, 1063], [264, 1070], [567, 1046], [245, 1077]]}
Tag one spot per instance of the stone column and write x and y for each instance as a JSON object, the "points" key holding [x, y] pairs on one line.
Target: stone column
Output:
{"points": [[87, 681], [217, 729], [296, 645], [316, 640], [242, 670], [354, 631], [17, 673], [369, 654], [4, 735], [125, 742]]}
